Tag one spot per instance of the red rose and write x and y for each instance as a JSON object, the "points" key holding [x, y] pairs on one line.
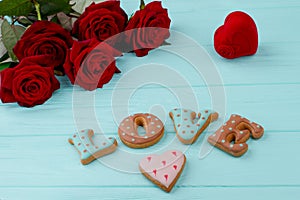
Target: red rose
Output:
{"points": [[144, 39], [100, 21], [44, 38], [91, 64], [30, 83]]}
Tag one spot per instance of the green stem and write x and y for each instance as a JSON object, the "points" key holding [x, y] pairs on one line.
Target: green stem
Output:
{"points": [[37, 9], [142, 5]]}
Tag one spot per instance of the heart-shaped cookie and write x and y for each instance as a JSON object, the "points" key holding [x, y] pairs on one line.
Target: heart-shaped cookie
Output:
{"points": [[163, 170], [237, 37]]}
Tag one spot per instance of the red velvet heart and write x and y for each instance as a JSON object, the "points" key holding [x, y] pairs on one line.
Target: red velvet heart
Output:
{"points": [[237, 37]]}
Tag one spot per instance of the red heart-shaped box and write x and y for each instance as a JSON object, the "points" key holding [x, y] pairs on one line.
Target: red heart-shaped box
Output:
{"points": [[237, 37]]}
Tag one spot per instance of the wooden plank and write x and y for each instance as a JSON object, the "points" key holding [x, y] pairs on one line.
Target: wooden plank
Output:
{"points": [[202, 23], [275, 63], [277, 60], [262, 104], [37, 162], [199, 19], [70, 193], [49, 161]]}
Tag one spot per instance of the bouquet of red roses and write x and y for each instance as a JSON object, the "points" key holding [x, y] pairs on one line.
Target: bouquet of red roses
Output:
{"points": [[43, 39]]}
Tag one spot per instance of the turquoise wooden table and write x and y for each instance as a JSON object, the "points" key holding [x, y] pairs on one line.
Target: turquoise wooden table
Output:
{"points": [[36, 161]]}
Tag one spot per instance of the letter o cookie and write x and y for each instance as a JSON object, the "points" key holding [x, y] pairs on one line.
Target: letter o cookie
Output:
{"points": [[128, 130]]}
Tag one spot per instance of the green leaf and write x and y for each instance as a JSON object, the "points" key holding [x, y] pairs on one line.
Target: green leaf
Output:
{"points": [[165, 43], [32, 17], [80, 5], [15, 7], [65, 21], [4, 57], [24, 21], [6, 65], [55, 19], [142, 4], [51, 7], [10, 36]]}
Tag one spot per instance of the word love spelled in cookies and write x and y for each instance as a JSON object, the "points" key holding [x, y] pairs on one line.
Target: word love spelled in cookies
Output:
{"points": [[163, 170], [90, 148], [232, 136], [189, 124], [128, 130]]}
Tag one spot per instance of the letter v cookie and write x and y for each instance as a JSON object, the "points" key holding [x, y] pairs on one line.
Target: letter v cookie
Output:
{"points": [[91, 147], [189, 124], [232, 136], [163, 170]]}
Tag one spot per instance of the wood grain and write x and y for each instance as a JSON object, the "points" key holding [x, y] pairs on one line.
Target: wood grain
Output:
{"points": [[36, 161]]}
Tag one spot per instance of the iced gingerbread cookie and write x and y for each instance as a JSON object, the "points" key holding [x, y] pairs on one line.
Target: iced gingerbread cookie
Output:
{"points": [[232, 136], [90, 148], [128, 130], [163, 170], [189, 124]]}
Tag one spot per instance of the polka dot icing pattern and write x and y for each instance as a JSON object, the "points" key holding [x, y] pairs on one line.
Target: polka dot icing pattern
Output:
{"points": [[128, 130], [237, 129], [164, 169], [189, 125], [91, 147]]}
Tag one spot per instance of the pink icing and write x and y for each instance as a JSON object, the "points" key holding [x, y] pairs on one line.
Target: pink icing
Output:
{"points": [[164, 168]]}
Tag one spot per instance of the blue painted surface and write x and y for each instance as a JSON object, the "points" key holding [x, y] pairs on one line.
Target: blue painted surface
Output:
{"points": [[36, 161]]}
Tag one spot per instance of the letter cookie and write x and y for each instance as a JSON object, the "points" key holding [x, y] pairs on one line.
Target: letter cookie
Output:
{"points": [[129, 134], [189, 125], [232, 136], [163, 170], [91, 148]]}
